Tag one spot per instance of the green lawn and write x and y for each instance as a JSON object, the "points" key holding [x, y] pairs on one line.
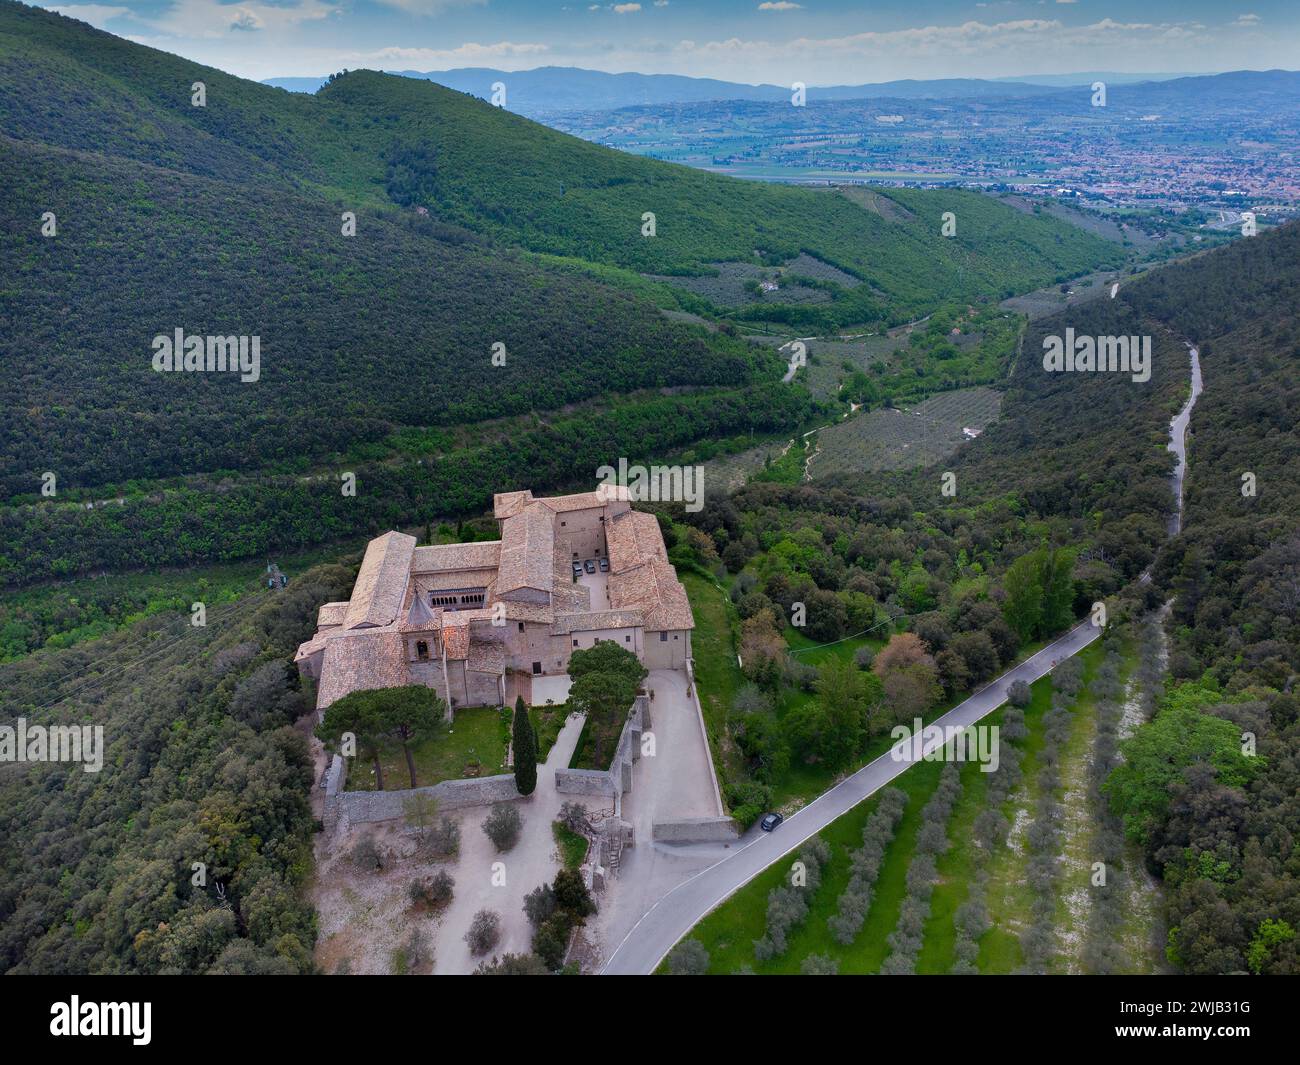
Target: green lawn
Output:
{"points": [[717, 675], [474, 746], [573, 847]]}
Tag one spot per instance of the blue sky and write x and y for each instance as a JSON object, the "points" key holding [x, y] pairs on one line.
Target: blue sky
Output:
{"points": [[819, 42]]}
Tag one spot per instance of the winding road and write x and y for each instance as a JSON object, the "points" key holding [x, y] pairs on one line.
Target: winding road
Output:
{"points": [[677, 912]]}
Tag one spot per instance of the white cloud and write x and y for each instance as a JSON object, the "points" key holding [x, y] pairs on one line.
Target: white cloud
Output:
{"points": [[779, 5], [465, 53], [95, 14], [209, 19], [429, 7], [1246, 20], [626, 9]]}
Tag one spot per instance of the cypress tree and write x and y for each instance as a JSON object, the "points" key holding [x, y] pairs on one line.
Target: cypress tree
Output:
{"points": [[525, 745]]}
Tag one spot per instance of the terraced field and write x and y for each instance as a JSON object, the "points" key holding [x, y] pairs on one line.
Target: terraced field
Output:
{"points": [[892, 439], [728, 289], [829, 360]]}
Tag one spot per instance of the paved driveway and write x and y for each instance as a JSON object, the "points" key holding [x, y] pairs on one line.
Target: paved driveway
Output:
{"points": [[531, 862], [674, 783], [676, 911]]}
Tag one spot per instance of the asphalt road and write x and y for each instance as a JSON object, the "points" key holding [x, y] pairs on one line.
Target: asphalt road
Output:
{"points": [[678, 912]]}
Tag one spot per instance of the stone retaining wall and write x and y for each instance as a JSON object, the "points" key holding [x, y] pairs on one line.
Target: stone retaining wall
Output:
{"points": [[696, 830], [611, 783], [365, 807]]}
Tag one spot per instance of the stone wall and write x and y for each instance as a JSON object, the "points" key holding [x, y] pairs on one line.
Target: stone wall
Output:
{"points": [[696, 830], [365, 807], [611, 783]]}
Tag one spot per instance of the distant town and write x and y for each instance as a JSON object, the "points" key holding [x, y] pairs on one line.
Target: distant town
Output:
{"points": [[1195, 145]]}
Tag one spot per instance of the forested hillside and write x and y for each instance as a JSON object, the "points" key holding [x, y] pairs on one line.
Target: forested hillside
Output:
{"points": [[98, 870], [496, 272], [1220, 827]]}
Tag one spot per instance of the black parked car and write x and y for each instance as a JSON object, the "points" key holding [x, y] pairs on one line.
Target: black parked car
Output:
{"points": [[770, 821]]}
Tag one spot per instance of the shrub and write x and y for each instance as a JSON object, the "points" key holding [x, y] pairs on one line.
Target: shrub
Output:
{"points": [[571, 893], [574, 816], [443, 839], [539, 904], [688, 958], [434, 891], [819, 965], [413, 954], [551, 939], [366, 855], [502, 826], [513, 965], [484, 932]]}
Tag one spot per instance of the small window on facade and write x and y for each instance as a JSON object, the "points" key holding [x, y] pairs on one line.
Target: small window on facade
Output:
{"points": [[421, 650], [575, 643], [663, 637], [563, 524], [676, 636], [521, 626], [627, 639], [537, 668]]}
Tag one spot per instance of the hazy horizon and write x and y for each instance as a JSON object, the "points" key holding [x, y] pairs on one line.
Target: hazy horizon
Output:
{"points": [[818, 42]]}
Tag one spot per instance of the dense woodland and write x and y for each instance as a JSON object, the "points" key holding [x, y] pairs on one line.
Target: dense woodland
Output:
{"points": [[97, 870]]}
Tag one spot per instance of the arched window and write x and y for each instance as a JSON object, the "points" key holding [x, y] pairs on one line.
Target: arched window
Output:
{"points": [[422, 650]]}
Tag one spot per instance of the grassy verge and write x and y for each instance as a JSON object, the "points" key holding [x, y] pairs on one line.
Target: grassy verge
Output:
{"points": [[717, 674]]}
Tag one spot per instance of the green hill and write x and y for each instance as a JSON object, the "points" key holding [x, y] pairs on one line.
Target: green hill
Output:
{"points": [[475, 228]]}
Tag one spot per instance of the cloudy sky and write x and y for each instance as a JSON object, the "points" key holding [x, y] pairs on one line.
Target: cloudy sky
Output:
{"points": [[819, 42]]}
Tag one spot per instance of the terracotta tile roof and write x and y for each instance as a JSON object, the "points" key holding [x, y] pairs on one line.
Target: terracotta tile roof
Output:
{"points": [[421, 617], [486, 656], [641, 577], [360, 660], [527, 552], [526, 611], [457, 578], [331, 614], [508, 504], [381, 583], [571, 598], [633, 538], [585, 500], [456, 639], [309, 647], [604, 619], [485, 554]]}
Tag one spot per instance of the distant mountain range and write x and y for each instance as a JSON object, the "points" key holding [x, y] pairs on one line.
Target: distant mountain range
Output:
{"points": [[575, 89]]}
